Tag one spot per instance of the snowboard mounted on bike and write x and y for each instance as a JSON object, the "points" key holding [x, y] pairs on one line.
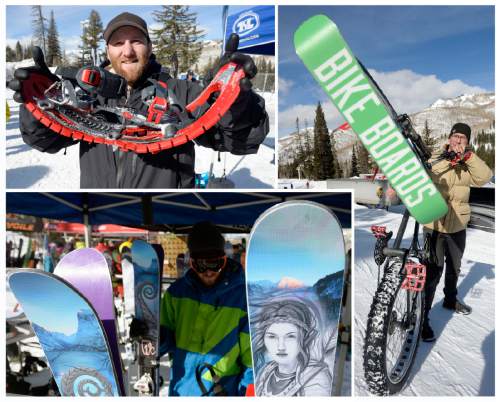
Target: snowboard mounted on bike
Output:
{"points": [[396, 315]]}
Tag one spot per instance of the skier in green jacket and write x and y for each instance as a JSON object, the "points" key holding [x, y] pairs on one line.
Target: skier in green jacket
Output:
{"points": [[204, 321]]}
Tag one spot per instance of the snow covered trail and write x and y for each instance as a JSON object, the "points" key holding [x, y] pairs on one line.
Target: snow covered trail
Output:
{"points": [[461, 362], [28, 168]]}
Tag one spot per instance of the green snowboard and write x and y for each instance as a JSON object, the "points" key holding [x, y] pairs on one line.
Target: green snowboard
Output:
{"points": [[325, 53]]}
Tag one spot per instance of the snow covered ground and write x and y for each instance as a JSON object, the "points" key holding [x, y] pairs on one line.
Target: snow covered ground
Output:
{"points": [[31, 169], [301, 184], [461, 362]]}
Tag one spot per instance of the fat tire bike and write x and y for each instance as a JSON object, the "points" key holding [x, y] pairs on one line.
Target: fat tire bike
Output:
{"points": [[396, 315]]}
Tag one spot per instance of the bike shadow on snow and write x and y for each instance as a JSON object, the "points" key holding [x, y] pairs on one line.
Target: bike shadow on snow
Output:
{"points": [[439, 319]]}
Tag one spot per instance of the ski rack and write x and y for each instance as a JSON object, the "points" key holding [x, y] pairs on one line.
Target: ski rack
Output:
{"points": [[142, 139]]}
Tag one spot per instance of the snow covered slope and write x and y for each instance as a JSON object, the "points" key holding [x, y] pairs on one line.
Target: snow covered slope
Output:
{"points": [[461, 362]]}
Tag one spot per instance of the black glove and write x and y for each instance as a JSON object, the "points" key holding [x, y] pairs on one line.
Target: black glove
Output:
{"points": [[231, 55], [32, 80], [138, 328]]}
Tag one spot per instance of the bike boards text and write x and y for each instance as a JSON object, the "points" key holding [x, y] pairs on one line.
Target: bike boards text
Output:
{"points": [[343, 79]]}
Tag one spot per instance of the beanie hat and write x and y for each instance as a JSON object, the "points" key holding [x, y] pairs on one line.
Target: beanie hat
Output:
{"points": [[461, 128], [125, 19], [205, 240]]}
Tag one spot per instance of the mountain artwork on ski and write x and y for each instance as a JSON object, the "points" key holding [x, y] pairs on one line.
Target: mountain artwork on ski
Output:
{"points": [[328, 58], [295, 269], [88, 271], [69, 331]]}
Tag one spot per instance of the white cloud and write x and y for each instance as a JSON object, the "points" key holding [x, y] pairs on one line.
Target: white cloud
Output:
{"points": [[287, 117], [407, 91], [70, 43], [410, 92], [284, 86], [23, 40]]}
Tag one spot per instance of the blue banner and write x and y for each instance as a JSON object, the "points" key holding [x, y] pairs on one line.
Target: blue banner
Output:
{"points": [[255, 27]]}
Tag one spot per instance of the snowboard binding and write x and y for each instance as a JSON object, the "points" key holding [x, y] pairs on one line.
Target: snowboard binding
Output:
{"points": [[70, 108]]}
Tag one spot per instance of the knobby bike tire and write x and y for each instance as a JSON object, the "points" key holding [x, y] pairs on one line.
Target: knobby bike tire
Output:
{"points": [[375, 348]]}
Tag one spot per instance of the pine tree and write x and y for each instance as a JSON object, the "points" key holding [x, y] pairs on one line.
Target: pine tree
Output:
{"points": [[364, 159], [92, 35], [429, 141], [301, 154], [323, 158], [85, 56], [54, 56], [10, 54], [27, 51], [19, 51], [39, 27], [177, 41], [354, 163], [337, 171]]}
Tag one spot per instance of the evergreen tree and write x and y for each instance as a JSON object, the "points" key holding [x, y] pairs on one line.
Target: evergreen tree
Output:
{"points": [[354, 163], [337, 171], [363, 158], [27, 51], [92, 35], [177, 41], [85, 56], [323, 158], [429, 141], [54, 56], [39, 27], [308, 148], [10, 54], [19, 51], [301, 154]]}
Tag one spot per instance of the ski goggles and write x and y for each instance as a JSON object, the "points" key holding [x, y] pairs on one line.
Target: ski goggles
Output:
{"points": [[202, 265]]}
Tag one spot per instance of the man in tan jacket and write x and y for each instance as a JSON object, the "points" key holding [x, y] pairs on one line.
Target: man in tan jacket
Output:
{"points": [[458, 170]]}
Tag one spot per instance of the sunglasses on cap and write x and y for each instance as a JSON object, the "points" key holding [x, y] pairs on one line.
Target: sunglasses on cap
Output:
{"points": [[202, 265]]}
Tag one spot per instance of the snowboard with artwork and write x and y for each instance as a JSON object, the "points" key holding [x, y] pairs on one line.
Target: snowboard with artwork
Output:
{"points": [[70, 332], [295, 269]]}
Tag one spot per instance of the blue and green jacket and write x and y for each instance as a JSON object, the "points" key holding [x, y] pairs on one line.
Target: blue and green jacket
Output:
{"points": [[207, 325]]}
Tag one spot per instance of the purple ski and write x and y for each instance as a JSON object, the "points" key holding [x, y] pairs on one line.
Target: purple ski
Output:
{"points": [[87, 270]]}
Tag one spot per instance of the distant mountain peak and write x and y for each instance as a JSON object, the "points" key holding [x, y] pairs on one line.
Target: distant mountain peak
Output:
{"points": [[290, 283]]}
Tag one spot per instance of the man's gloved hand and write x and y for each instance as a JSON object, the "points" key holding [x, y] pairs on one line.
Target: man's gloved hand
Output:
{"points": [[34, 80], [137, 328], [231, 55]]}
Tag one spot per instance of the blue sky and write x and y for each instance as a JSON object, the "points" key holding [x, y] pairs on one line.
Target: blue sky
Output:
{"points": [[68, 19], [29, 289], [295, 253], [448, 49]]}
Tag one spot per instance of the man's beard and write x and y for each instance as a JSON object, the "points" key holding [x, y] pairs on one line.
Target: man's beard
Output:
{"points": [[131, 75]]}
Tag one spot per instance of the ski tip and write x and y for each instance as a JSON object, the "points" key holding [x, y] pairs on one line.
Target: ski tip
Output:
{"points": [[311, 31]]}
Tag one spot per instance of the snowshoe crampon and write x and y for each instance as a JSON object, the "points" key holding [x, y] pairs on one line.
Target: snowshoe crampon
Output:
{"points": [[62, 108]]}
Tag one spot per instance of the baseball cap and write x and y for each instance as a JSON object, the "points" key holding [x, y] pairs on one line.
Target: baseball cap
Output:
{"points": [[125, 19]]}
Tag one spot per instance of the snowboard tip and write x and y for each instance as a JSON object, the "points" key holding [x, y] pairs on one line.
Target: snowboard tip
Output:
{"points": [[307, 32]]}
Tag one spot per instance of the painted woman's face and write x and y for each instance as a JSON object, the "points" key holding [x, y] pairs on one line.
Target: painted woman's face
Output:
{"points": [[282, 343]]}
